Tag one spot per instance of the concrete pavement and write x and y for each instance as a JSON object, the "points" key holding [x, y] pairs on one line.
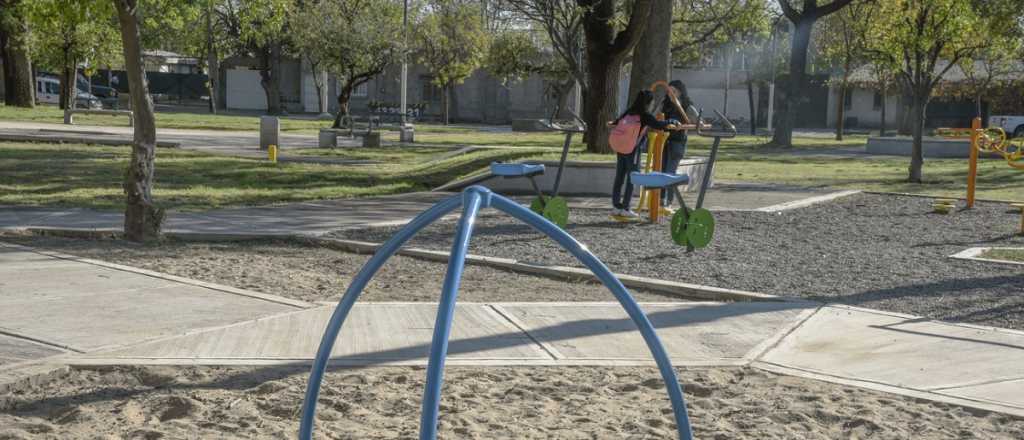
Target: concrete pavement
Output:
{"points": [[58, 310]]}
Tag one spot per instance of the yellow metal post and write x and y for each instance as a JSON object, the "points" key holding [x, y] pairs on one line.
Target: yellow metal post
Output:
{"points": [[972, 170], [272, 153]]}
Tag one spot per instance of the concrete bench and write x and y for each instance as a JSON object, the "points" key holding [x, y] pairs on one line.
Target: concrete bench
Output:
{"points": [[69, 114]]}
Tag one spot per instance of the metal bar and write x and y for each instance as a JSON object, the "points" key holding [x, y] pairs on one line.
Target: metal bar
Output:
{"points": [[472, 199], [708, 169], [668, 374], [536, 189], [386, 250], [561, 163], [972, 169]]}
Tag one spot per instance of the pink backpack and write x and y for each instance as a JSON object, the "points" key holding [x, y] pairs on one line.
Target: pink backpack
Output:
{"points": [[625, 134]]}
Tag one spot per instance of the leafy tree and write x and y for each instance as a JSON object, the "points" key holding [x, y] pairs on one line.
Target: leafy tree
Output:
{"points": [[997, 61], [19, 85], [353, 39], [562, 22], [259, 29], [519, 53], [923, 40], [451, 43], [803, 19], [70, 33], [142, 218], [842, 44], [607, 45]]}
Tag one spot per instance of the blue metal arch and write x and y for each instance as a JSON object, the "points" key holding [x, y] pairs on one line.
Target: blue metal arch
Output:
{"points": [[472, 199]]}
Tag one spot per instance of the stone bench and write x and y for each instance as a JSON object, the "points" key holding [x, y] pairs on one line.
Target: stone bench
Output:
{"points": [[329, 137], [69, 114]]}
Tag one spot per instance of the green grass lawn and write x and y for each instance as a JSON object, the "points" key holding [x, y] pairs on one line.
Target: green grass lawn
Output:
{"points": [[1005, 254], [202, 121], [90, 176]]}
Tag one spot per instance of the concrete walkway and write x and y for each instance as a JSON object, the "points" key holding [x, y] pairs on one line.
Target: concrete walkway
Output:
{"points": [[105, 314]]}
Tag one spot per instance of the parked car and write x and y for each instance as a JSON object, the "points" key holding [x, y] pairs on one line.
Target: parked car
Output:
{"points": [[48, 91], [1012, 125]]}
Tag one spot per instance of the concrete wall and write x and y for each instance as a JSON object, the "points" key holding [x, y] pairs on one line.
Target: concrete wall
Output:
{"points": [[244, 91], [863, 108]]}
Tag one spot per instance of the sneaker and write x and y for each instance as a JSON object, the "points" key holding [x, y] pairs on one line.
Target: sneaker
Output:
{"points": [[666, 212], [628, 214]]}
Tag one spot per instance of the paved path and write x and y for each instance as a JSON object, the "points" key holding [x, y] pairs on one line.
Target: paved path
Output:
{"points": [[319, 217], [105, 314], [302, 219]]}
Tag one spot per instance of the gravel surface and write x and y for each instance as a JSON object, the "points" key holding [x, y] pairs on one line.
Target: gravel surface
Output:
{"points": [[504, 403], [313, 273], [878, 251]]}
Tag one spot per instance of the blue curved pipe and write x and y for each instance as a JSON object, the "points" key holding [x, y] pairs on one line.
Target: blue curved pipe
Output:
{"points": [[473, 198], [371, 267]]}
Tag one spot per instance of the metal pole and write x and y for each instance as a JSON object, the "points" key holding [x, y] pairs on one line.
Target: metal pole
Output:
{"points": [[405, 63], [771, 85]]}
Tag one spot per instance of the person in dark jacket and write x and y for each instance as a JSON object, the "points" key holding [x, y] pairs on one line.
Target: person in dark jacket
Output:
{"points": [[675, 146], [627, 163]]}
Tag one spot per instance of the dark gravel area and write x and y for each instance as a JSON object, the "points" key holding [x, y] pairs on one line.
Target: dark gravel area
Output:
{"points": [[315, 273], [878, 251]]}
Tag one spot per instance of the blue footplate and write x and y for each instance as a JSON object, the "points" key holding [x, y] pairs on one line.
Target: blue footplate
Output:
{"points": [[658, 180], [516, 169]]}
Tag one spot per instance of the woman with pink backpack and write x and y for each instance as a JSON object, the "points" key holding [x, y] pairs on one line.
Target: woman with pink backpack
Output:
{"points": [[628, 133]]}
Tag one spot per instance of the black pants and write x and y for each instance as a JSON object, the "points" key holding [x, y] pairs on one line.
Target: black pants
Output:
{"points": [[675, 149], [624, 164]]}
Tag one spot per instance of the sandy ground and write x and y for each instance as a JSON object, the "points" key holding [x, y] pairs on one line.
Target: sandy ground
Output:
{"points": [[521, 403], [315, 273]]}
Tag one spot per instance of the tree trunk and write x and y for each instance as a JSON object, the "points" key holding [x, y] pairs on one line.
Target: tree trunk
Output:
{"points": [[977, 107], [212, 64], [69, 86], [652, 57], [344, 97], [917, 152], [881, 131], [750, 102], [270, 78], [794, 85], [603, 105], [19, 82], [840, 112], [444, 104], [142, 218], [453, 104]]}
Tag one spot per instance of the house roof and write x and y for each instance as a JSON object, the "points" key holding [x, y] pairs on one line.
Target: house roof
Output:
{"points": [[956, 74]]}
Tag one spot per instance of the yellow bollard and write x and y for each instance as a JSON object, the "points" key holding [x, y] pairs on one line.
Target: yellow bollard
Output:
{"points": [[272, 153]]}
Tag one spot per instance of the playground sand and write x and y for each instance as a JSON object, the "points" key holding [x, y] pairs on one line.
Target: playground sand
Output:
{"points": [[876, 251], [482, 403], [314, 273]]}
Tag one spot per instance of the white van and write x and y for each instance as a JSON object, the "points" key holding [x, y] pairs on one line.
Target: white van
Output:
{"points": [[48, 92], [1012, 125]]}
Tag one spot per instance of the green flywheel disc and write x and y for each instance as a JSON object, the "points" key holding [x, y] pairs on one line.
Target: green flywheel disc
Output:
{"points": [[556, 210], [678, 227], [700, 228]]}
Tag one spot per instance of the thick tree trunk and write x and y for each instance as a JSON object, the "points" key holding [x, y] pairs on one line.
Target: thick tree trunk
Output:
{"points": [[453, 104], [604, 92], [142, 218], [344, 97], [840, 112], [69, 87], [19, 82], [652, 57], [917, 152], [270, 79], [793, 87]]}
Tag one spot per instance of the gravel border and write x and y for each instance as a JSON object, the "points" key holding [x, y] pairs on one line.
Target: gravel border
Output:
{"points": [[869, 250]]}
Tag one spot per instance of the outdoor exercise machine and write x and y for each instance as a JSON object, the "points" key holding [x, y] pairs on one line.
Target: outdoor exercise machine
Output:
{"points": [[650, 198], [551, 206], [471, 200], [985, 140], [691, 228]]}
